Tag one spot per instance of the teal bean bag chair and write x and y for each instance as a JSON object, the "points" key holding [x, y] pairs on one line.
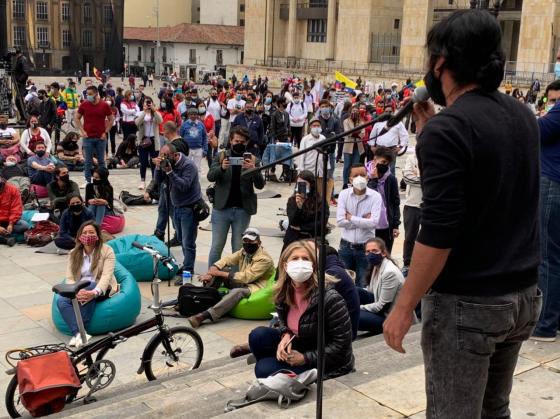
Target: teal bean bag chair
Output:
{"points": [[26, 216], [139, 263], [258, 306], [112, 314]]}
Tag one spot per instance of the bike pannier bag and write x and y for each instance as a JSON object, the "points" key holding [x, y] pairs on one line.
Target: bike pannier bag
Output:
{"points": [[45, 381]]}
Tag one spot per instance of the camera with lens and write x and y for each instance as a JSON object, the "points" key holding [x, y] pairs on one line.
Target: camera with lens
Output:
{"points": [[165, 164]]}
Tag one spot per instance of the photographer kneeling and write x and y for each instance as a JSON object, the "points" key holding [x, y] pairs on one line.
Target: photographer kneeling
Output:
{"points": [[182, 175]]}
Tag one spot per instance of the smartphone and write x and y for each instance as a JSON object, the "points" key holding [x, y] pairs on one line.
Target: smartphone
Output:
{"points": [[247, 156], [302, 188], [235, 161]]}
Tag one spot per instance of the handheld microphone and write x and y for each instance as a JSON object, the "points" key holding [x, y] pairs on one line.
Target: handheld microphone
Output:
{"points": [[420, 95], [154, 253]]}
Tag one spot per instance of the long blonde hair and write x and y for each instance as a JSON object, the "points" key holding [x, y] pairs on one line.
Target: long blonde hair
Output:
{"points": [[284, 288], [76, 259]]}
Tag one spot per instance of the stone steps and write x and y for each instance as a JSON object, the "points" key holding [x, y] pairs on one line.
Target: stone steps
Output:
{"points": [[203, 393]]}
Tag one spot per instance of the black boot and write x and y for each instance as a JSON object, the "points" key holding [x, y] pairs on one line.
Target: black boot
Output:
{"points": [[9, 241]]}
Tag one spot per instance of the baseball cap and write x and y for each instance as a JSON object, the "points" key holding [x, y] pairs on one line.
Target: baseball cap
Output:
{"points": [[251, 234], [192, 111]]}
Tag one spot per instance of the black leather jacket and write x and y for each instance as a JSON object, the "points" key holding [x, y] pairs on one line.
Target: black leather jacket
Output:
{"points": [[339, 359]]}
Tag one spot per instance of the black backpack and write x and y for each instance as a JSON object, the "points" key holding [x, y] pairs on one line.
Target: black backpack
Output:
{"points": [[193, 300]]}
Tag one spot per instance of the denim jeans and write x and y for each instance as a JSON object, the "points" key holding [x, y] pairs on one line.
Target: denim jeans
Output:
{"points": [[354, 258], [549, 270], [369, 321], [349, 161], [146, 155], [41, 178], [20, 226], [91, 146], [470, 346], [161, 224], [67, 311], [187, 228], [98, 212], [221, 221], [263, 342]]}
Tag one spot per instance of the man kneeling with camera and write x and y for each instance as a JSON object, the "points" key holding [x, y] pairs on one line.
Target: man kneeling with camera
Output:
{"points": [[182, 174], [255, 267]]}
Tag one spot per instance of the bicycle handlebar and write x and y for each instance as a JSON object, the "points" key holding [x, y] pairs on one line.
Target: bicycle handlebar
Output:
{"points": [[149, 249]]}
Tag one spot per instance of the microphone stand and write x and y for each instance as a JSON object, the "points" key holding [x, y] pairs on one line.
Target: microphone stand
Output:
{"points": [[323, 148]]}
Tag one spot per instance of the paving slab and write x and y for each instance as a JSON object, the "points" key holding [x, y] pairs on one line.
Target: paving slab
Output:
{"points": [[540, 352], [536, 393]]}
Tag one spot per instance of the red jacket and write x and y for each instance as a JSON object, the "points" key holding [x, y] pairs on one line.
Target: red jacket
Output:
{"points": [[172, 116], [11, 207]]}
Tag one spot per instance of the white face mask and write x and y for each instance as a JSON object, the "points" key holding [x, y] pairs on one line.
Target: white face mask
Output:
{"points": [[299, 270], [316, 131], [359, 183], [10, 163]]}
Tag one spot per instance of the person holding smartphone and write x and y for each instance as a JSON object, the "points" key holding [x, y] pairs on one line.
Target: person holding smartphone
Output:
{"points": [[304, 210], [235, 199], [148, 122]]}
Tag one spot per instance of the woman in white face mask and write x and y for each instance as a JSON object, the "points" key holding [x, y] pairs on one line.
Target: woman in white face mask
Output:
{"points": [[293, 345]]}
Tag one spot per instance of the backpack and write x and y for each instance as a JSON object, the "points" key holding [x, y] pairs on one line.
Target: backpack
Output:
{"points": [[45, 381], [192, 300], [42, 234], [284, 386]]}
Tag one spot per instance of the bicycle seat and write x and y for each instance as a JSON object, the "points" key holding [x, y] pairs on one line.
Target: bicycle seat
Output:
{"points": [[70, 290]]}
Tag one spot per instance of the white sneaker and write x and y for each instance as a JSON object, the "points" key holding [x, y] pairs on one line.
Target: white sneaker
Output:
{"points": [[79, 342], [73, 340], [142, 186]]}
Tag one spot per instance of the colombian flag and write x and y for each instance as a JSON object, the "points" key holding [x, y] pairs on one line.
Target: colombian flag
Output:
{"points": [[97, 74], [341, 78]]}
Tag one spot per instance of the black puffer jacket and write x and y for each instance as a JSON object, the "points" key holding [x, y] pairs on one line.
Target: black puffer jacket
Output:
{"points": [[339, 359]]}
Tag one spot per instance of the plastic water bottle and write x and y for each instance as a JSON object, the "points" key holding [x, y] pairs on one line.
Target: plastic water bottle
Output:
{"points": [[187, 277]]}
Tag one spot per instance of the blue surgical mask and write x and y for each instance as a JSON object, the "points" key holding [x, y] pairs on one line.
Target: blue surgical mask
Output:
{"points": [[268, 101], [90, 98], [374, 259], [238, 97], [325, 112]]}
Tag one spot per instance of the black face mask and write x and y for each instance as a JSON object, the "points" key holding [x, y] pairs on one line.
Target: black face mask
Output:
{"points": [[382, 168], [249, 112], [76, 208], [250, 248], [40, 153], [3, 126], [96, 181], [214, 97], [238, 148], [433, 84], [64, 178]]}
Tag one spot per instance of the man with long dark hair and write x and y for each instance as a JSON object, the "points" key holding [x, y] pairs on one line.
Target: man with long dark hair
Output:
{"points": [[478, 250]]}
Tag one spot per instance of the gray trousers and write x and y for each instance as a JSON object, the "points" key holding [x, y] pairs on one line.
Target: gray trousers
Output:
{"points": [[470, 346], [230, 300]]}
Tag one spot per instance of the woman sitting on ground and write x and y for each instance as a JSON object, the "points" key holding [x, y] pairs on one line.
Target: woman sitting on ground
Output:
{"points": [[68, 151], [293, 345], [72, 218], [93, 261], [127, 153], [304, 210], [384, 282], [99, 194], [32, 135]]}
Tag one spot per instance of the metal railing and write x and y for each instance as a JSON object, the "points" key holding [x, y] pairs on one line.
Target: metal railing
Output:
{"points": [[524, 73]]}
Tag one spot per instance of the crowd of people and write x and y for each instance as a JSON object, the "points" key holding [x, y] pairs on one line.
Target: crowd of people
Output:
{"points": [[237, 127]]}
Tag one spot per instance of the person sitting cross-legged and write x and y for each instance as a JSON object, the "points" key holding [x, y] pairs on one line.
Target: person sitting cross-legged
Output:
{"points": [[41, 167], [255, 268], [72, 218], [11, 210]]}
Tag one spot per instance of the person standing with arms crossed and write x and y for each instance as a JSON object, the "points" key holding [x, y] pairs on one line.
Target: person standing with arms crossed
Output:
{"points": [[98, 120], [477, 253]]}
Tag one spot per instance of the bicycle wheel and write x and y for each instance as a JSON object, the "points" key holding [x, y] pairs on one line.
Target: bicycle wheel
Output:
{"points": [[13, 402], [184, 343]]}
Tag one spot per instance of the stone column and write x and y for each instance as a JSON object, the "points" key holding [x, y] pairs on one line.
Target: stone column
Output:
{"points": [[292, 28], [417, 21], [331, 29], [535, 37]]}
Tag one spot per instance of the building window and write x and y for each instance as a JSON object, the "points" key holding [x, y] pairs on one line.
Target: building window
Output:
{"points": [[219, 57], [241, 22], [42, 10], [19, 36], [192, 56], [87, 13], [107, 41], [139, 54], [18, 9], [152, 55], [65, 12], [43, 37], [66, 38], [107, 14], [317, 30], [87, 39], [318, 3], [396, 24], [242, 8], [164, 57], [242, 57]]}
